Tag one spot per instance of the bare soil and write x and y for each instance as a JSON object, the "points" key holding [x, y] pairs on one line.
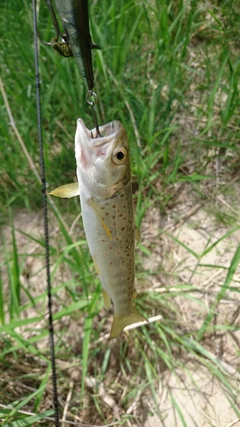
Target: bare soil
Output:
{"points": [[200, 397]]}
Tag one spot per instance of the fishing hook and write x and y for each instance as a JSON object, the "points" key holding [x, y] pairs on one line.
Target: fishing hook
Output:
{"points": [[91, 99]]}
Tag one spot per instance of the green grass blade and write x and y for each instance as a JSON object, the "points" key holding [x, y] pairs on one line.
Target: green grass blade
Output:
{"points": [[2, 314], [231, 271], [24, 420]]}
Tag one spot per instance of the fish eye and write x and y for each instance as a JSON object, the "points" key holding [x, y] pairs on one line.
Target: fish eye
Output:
{"points": [[119, 155]]}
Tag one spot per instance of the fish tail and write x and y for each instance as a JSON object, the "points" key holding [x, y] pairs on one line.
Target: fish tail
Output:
{"points": [[120, 322]]}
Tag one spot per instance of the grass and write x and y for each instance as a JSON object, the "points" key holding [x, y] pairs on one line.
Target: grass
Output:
{"points": [[170, 72]]}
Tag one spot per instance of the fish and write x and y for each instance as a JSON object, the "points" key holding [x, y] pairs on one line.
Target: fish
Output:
{"points": [[104, 186], [75, 19]]}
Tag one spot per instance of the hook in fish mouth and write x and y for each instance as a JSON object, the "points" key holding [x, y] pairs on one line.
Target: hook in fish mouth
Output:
{"points": [[98, 134], [91, 99], [108, 132]]}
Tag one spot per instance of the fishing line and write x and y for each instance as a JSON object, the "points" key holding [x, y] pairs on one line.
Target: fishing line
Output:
{"points": [[45, 218]]}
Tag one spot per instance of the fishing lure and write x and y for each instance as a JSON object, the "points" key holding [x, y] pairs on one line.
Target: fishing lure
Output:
{"points": [[76, 42], [75, 19]]}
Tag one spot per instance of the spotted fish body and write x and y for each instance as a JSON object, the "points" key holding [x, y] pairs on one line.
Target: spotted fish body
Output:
{"points": [[104, 179]]}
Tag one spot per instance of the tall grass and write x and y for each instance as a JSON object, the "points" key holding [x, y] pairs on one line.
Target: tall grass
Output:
{"points": [[170, 72]]}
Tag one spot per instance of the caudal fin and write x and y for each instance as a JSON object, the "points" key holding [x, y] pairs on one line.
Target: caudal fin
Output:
{"points": [[120, 322]]}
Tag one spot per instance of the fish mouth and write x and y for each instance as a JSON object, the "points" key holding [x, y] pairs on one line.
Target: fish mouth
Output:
{"points": [[107, 132], [88, 148]]}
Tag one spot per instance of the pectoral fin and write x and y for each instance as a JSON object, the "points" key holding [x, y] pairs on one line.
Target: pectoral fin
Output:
{"points": [[66, 191], [96, 208]]}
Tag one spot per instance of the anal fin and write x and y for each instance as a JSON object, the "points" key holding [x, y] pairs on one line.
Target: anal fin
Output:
{"points": [[106, 299], [96, 266]]}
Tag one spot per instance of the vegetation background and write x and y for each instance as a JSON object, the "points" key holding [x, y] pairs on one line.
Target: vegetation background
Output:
{"points": [[169, 71]]}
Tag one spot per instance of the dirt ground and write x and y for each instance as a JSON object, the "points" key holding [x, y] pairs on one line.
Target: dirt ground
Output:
{"points": [[205, 405], [200, 398]]}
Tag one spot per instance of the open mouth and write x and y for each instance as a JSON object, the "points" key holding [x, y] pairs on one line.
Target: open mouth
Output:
{"points": [[85, 142], [107, 132]]}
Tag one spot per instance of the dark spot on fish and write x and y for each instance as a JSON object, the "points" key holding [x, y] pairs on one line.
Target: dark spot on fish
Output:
{"points": [[113, 217], [121, 215], [107, 213], [122, 195], [110, 263], [123, 228], [103, 240], [102, 207], [114, 206], [110, 247]]}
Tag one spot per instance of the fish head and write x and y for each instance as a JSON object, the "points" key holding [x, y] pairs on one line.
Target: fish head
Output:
{"points": [[103, 165]]}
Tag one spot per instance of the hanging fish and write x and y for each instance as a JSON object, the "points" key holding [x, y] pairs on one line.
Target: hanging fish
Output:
{"points": [[104, 186]]}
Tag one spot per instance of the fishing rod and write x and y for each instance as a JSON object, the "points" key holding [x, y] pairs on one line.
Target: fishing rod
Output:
{"points": [[45, 218], [76, 42]]}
